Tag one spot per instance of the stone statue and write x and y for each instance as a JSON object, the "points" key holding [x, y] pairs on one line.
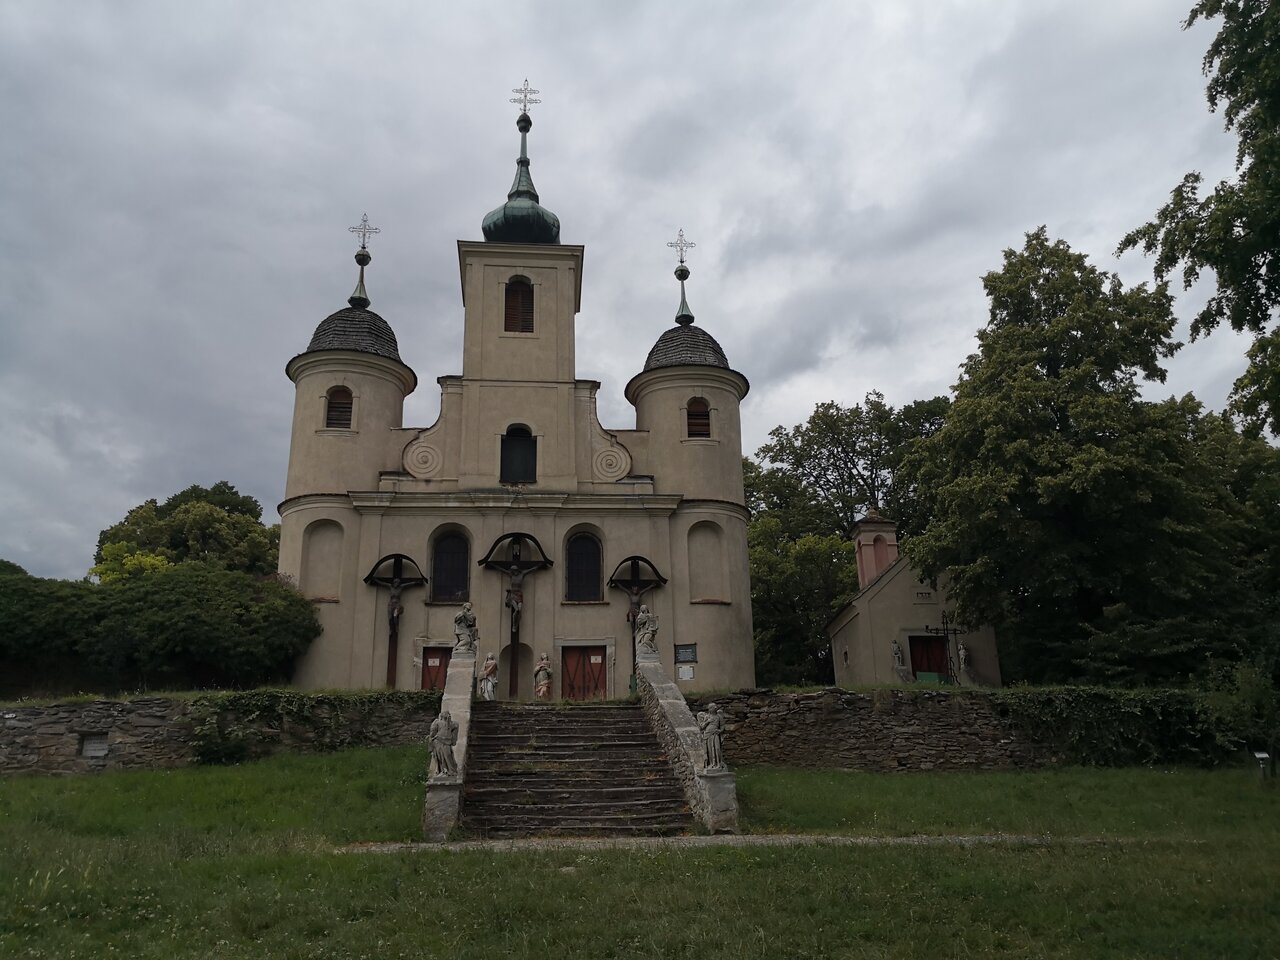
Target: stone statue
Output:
{"points": [[646, 630], [900, 664], [465, 629], [489, 678], [542, 678], [443, 737], [711, 723], [962, 654]]}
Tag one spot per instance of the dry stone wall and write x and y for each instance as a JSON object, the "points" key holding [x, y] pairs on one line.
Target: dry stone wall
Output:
{"points": [[879, 730], [87, 737]]}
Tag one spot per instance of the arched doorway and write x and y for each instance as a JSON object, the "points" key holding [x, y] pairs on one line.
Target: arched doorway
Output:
{"points": [[523, 672]]}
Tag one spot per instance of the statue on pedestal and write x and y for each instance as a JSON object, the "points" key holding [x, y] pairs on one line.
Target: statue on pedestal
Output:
{"points": [[542, 678], [443, 738], [900, 664], [646, 630], [711, 723], [465, 630], [489, 678]]}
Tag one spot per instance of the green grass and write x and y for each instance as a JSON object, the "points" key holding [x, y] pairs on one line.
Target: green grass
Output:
{"points": [[233, 863]]}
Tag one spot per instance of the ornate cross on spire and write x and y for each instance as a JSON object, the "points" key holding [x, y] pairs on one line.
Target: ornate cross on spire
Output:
{"points": [[364, 230], [526, 96], [681, 244]]}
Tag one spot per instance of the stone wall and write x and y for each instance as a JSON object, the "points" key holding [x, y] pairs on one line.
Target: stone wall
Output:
{"points": [[87, 737], [880, 730]]}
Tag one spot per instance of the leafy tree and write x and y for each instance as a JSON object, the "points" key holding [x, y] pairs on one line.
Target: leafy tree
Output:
{"points": [[797, 585], [194, 625], [216, 525], [1234, 231], [120, 561], [43, 624], [847, 459], [1092, 529]]}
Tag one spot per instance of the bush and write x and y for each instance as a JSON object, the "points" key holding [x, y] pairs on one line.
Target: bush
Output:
{"points": [[1110, 727]]}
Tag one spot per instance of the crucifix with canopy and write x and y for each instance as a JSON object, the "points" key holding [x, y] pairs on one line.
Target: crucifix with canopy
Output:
{"points": [[515, 556], [397, 572]]}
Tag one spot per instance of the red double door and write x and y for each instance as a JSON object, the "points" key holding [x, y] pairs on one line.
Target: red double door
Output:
{"points": [[584, 673], [435, 666]]}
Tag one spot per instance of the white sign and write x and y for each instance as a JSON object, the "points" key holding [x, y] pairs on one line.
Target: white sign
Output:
{"points": [[684, 671], [596, 658], [433, 661]]}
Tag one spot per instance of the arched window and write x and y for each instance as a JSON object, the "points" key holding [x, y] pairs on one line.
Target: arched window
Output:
{"points": [[337, 408], [518, 316], [451, 568], [880, 549], [582, 563], [519, 456], [321, 574], [698, 414]]}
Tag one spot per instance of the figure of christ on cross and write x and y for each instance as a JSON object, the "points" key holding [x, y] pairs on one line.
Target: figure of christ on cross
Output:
{"points": [[396, 584], [635, 584]]}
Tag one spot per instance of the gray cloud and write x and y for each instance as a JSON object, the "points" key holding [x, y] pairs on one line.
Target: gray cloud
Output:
{"points": [[176, 181]]}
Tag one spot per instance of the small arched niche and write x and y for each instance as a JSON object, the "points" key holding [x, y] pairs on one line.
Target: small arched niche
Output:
{"points": [[321, 574], [707, 576]]}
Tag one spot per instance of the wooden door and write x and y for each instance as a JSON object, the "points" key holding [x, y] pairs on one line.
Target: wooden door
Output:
{"points": [[435, 665], [583, 673], [929, 659]]}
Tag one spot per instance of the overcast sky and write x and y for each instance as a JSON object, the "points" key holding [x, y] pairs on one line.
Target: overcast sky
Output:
{"points": [[177, 179]]}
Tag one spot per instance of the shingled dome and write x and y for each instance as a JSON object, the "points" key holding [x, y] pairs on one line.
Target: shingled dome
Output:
{"points": [[686, 345], [356, 329]]}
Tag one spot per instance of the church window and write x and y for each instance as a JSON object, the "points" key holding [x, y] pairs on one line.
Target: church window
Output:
{"points": [[519, 456], [518, 316], [582, 568], [337, 408], [450, 568], [698, 414]]}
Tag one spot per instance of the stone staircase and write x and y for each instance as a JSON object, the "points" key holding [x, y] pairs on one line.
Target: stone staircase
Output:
{"points": [[581, 770]]}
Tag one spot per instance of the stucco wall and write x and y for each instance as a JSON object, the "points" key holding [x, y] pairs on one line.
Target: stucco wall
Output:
{"points": [[881, 730]]}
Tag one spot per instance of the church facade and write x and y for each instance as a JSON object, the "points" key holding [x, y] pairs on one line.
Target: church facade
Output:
{"points": [[517, 500]]}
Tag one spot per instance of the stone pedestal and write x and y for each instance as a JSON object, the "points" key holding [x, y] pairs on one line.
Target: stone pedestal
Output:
{"points": [[440, 808], [443, 799], [720, 787]]}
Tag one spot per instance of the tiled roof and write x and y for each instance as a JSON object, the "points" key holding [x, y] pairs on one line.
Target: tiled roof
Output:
{"points": [[686, 345], [355, 329]]}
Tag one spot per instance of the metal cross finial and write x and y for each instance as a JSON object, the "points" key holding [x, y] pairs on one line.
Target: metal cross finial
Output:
{"points": [[681, 245], [526, 96], [364, 230]]}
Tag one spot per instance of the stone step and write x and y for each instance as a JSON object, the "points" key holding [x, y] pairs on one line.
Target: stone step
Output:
{"points": [[587, 738], [499, 727], [523, 767], [573, 808], [560, 830], [585, 779], [623, 821]]}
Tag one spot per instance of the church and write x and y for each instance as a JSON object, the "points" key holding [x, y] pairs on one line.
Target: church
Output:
{"points": [[517, 506]]}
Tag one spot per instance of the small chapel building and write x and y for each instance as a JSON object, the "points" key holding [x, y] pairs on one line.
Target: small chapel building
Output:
{"points": [[516, 500], [898, 628]]}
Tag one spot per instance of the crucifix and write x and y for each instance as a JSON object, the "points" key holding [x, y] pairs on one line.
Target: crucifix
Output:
{"points": [[396, 583], [631, 577], [525, 96], [515, 568], [947, 631]]}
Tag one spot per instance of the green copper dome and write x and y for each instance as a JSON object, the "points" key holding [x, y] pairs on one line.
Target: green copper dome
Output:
{"points": [[522, 219]]}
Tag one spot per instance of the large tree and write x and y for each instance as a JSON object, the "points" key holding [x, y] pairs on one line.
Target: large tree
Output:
{"points": [[1093, 529], [844, 460], [216, 525], [1234, 231]]}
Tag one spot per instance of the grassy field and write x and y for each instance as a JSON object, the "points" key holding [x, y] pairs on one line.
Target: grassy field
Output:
{"points": [[237, 862]]}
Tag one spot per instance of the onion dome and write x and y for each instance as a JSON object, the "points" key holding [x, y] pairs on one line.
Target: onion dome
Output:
{"points": [[684, 344], [356, 328], [522, 219]]}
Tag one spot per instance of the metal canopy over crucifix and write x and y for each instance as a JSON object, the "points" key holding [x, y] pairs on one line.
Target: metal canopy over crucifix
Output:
{"points": [[526, 96], [365, 231], [396, 581], [525, 556], [681, 244], [636, 576]]}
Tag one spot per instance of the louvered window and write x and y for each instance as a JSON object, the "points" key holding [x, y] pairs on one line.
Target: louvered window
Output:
{"points": [[450, 568], [582, 568], [699, 418], [519, 308], [337, 411], [519, 456]]}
